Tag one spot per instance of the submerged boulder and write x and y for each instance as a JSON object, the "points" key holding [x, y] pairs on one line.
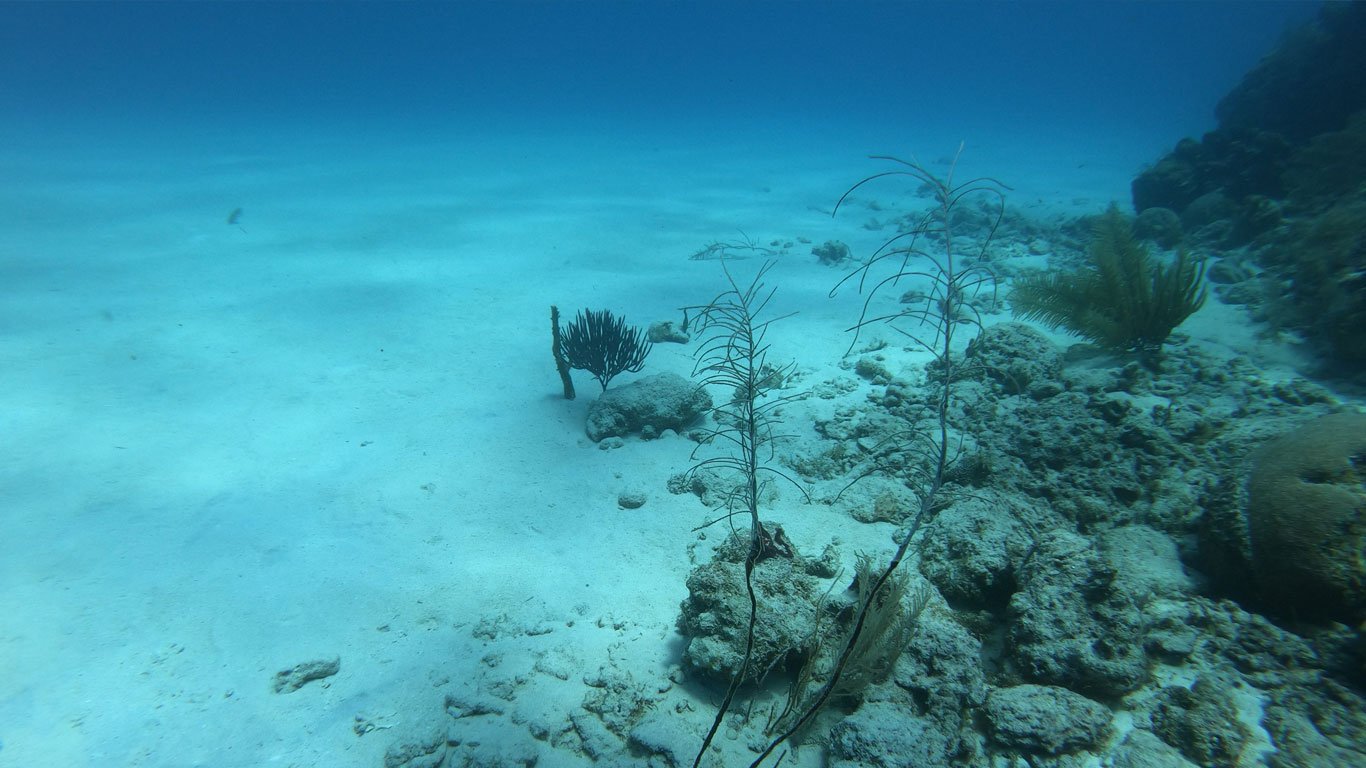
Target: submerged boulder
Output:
{"points": [[647, 407]]}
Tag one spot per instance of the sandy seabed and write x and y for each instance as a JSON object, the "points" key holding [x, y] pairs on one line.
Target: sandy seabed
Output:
{"points": [[331, 427]]}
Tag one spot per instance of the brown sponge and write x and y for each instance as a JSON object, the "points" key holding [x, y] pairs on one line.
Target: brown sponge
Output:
{"points": [[1307, 519]]}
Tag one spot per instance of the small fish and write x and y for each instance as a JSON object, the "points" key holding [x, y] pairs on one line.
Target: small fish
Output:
{"points": [[234, 218]]}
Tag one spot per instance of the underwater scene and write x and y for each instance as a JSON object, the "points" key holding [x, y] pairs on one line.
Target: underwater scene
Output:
{"points": [[683, 384]]}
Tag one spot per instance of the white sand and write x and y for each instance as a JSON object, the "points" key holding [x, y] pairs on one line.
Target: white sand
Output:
{"points": [[335, 429]]}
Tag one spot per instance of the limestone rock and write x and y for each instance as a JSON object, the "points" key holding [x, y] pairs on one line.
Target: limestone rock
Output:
{"points": [[647, 407]]}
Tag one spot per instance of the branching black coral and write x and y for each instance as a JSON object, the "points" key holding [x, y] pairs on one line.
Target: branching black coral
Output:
{"points": [[604, 345], [926, 252], [1122, 300], [734, 356]]}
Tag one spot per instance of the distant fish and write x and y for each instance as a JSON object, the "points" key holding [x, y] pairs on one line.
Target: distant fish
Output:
{"points": [[235, 217]]}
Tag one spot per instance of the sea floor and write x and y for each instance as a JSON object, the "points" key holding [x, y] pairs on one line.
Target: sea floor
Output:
{"points": [[289, 397]]}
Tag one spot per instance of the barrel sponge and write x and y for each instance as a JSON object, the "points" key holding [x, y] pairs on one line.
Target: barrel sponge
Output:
{"points": [[1307, 519]]}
